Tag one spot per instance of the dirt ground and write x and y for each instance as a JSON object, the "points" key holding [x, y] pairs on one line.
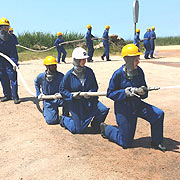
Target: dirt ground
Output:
{"points": [[32, 150]]}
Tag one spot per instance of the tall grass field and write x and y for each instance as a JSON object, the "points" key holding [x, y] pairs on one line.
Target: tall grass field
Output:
{"points": [[41, 41]]}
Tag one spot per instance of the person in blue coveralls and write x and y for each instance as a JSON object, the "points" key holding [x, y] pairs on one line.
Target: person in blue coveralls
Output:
{"points": [[89, 43], [127, 88], [8, 74], [60, 48], [83, 109], [106, 43], [48, 83], [136, 38], [152, 44], [146, 43]]}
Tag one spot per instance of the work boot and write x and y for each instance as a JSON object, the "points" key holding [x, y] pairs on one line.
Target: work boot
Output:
{"points": [[102, 57], [159, 146], [17, 101], [5, 98], [103, 129], [108, 59]]}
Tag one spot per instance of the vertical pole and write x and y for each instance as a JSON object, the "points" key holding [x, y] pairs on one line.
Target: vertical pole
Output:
{"points": [[134, 28]]}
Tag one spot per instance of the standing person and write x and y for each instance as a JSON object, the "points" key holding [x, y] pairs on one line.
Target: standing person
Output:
{"points": [[152, 44], [8, 47], [106, 43], [60, 48], [89, 43], [48, 83], [136, 38], [146, 43], [126, 88], [83, 109]]}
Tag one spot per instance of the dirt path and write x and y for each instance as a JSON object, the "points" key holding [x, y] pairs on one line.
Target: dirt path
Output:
{"points": [[32, 150]]}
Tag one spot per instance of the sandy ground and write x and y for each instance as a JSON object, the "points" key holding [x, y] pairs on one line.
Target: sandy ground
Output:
{"points": [[32, 150]]}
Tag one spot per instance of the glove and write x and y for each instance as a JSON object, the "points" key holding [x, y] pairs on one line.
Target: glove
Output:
{"points": [[129, 92], [86, 96], [141, 90], [40, 96], [56, 96], [76, 95], [15, 68]]}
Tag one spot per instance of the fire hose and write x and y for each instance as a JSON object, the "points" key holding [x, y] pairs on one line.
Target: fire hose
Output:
{"points": [[58, 95], [67, 42]]}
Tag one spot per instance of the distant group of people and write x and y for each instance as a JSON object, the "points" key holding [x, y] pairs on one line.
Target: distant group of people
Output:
{"points": [[148, 42], [127, 88], [89, 43]]}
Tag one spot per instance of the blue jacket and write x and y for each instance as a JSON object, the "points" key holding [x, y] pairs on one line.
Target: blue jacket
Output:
{"points": [[6, 47], [48, 88], [136, 39], [14, 53], [57, 42], [82, 108], [146, 37], [106, 36], [152, 37], [89, 37], [116, 89]]}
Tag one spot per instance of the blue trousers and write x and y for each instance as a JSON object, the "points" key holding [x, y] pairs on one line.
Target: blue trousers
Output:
{"points": [[5, 83], [90, 51], [147, 51], [124, 134], [106, 51], [152, 49], [77, 126], [62, 50], [13, 80], [51, 111]]}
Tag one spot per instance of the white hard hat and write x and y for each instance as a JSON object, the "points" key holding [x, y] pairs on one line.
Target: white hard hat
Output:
{"points": [[79, 53]]}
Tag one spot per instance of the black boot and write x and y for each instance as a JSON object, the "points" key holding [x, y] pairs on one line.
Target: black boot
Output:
{"points": [[103, 129], [17, 101], [159, 146], [5, 98], [102, 57]]}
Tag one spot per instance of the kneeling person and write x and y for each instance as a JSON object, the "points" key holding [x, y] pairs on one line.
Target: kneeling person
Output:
{"points": [[83, 109], [49, 82], [126, 88]]}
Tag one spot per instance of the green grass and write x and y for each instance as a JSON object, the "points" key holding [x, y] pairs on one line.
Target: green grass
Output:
{"points": [[165, 41]]}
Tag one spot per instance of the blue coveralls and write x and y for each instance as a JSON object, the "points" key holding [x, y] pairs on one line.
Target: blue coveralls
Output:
{"points": [[82, 110], [136, 39], [7, 73], [127, 109], [106, 44], [60, 49], [146, 43], [50, 107], [152, 44], [89, 44]]}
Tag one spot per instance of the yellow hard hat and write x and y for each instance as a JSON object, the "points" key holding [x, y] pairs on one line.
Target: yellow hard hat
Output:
{"points": [[11, 29], [4, 21], [137, 30], [89, 26], [107, 27], [59, 34], [130, 50], [148, 29], [153, 27], [49, 60]]}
